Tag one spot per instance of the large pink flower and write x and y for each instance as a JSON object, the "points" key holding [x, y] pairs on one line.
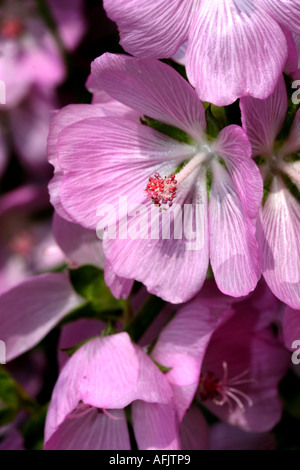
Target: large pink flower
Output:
{"points": [[102, 153], [234, 47], [279, 225]]}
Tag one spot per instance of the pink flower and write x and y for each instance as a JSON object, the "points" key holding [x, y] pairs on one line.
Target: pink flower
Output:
{"points": [[30, 56], [26, 127], [117, 156], [234, 47], [103, 377], [27, 246], [224, 354], [69, 17], [279, 222], [31, 66]]}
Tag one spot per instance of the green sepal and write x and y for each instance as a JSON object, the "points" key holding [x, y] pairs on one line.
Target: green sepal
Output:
{"points": [[166, 129], [88, 281]]}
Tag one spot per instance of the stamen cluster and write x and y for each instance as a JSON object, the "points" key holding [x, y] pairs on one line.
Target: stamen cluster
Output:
{"points": [[161, 190]]}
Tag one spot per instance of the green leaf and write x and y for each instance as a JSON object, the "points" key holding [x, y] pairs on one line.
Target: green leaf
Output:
{"points": [[171, 131], [214, 123], [33, 430], [88, 281], [9, 398], [13, 398]]}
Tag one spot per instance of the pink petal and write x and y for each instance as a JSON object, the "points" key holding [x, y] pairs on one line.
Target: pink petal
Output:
{"points": [[263, 119], [70, 19], [107, 372], [279, 241], [292, 143], [183, 342], [244, 348], [81, 246], [155, 426], [120, 287], [152, 88], [291, 327], [179, 55], [286, 12], [224, 437], [74, 333], [151, 29], [194, 430], [14, 441], [65, 117], [101, 373], [233, 248], [233, 145], [91, 431], [30, 127], [172, 268], [292, 62], [26, 199], [31, 309], [102, 176], [234, 50]]}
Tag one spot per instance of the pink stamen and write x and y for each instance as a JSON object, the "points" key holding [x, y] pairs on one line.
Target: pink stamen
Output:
{"points": [[222, 391]]}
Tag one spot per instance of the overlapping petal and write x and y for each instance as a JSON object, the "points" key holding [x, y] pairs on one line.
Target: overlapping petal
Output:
{"points": [[103, 176], [31, 309], [263, 119], [234, 49], [156, 29], [278, 233], [150, 87], [233, 247], [183, 342]]}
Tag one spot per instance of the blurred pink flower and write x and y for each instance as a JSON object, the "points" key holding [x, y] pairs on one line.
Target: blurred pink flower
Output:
{"points": [[32, 66], [27, 246]]}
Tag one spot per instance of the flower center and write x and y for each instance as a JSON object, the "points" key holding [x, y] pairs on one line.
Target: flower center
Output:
{"points": [[221, 391], [22, 243], [11, 28], [163, 189], [83, 409]]}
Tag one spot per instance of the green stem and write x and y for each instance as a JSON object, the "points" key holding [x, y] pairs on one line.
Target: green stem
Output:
{"points": [[144, 317]]}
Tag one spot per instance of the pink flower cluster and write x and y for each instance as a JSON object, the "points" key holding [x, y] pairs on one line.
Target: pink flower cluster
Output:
{"points": [[198, 210]]}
